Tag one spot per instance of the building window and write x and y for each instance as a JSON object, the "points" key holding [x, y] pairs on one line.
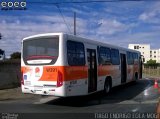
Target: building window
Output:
{"points": [[154, 56], [143, 47], [136, 47], [150, 55], [150, 51], [154, 51]]}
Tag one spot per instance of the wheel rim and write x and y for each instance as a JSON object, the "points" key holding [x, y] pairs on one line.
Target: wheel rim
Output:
{"points": [[107, 87]]}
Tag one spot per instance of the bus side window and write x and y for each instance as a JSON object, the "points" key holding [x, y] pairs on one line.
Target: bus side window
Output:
{"points": [[115, 57], [130, 58], [75, 53], [104, 56]]}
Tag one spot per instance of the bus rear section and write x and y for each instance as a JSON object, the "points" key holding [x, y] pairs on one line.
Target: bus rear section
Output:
{"points": [[40, 66]]}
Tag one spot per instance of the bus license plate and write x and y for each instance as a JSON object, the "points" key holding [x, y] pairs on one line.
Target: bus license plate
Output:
{"points": [[27, 83]]}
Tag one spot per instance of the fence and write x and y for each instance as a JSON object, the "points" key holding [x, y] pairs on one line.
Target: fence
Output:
{"points": [[10, 74], [151, 71]]}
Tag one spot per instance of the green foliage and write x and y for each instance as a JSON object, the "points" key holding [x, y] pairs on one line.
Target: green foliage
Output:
{"points": [[16, 55], [151, 63]]}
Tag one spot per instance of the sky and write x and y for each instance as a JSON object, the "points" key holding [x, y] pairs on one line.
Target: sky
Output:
{"points": [[118, 23]]}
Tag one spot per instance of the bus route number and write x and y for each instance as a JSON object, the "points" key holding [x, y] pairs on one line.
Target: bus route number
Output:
{"points": [[51, 69]]}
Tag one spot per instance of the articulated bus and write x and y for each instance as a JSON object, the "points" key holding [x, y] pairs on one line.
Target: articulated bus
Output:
{"points": [[66, 65]]}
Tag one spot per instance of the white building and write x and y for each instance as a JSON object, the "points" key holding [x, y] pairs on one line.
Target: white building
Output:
{"points": [[145, 50]]}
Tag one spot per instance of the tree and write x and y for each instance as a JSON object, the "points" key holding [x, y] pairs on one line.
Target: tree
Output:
{"points": [[16, 55], [1, 52], [152, 63]]}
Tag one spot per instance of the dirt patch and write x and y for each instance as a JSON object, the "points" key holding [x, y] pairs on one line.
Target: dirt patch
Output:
{"points": [[14, 94]]}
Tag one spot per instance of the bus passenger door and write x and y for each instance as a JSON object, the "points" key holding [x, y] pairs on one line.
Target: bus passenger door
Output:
{"points": [[123, 68], [92, 70], [140, 68]]}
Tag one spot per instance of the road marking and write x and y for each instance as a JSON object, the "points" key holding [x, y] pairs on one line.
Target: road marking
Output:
{"points": [[139, 102]]}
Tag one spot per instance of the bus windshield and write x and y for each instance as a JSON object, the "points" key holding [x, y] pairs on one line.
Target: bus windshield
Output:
{"points": [[44, 50]]}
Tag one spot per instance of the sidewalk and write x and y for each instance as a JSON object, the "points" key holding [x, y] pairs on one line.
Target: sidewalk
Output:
{"points": [[15, 94]]}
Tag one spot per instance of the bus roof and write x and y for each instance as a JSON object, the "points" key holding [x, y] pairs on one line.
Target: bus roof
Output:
{"points": [[78, 38]]}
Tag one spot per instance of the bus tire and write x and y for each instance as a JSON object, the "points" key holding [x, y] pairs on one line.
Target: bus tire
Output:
{"points": [[107, 85], [136, 76]]}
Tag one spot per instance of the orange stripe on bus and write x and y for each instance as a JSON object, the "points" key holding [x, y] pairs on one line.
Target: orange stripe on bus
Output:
{"points": [[50, 73], [68, 72], [105, 70], [25, 69]]}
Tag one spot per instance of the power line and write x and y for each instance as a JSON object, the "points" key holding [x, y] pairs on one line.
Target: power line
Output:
{"points": [[90, 1], [87, 1], [74, 23], [57, 5], [63, 18]]}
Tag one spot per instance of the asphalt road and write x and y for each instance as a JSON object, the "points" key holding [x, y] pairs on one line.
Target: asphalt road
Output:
{"points": [[139, 97]]}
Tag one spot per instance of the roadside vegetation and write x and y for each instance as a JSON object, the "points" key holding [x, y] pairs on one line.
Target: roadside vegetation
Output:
{"points": [[14, 58]]}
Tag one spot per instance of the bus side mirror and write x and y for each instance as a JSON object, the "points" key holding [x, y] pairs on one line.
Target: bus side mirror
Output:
{"points": [[143, 59]]}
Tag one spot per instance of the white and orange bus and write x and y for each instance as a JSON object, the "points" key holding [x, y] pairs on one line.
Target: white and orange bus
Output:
{"points": [[66, 65]]}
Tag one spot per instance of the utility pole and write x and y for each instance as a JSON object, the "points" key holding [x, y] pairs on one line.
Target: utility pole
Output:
{"points": [[0, 36], [74, 23]]}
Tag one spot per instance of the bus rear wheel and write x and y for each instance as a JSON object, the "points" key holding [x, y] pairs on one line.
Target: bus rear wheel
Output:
{"points": [[107, 86]]}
